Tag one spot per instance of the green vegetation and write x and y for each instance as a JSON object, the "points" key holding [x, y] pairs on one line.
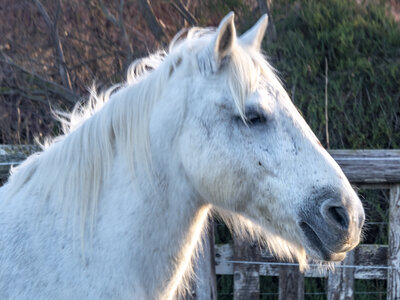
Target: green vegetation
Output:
{"points": [[314, 288], [369, 289], [225, 287], [376, 206], [361, 44], [269, 288]]}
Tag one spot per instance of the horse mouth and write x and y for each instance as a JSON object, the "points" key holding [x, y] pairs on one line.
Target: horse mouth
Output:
{"points": [[318, 247]]}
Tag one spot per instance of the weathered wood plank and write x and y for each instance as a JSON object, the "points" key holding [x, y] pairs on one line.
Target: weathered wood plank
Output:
{"points": [[223, 258], [16, 153], [360, 166], [291, 283], [393, 281], [369, 166], [371, 255], [370, 273], [366, 257], [273, 270], [341, 281], [246, 277], [12, 155], [374, 186]]}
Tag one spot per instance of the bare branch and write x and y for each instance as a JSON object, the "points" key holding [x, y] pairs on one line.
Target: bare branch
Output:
{"points": [[57, 14], [326, 104], [110, 17], [44, 13], [52, 26], [64, 93], [122, 29], [155, 26], [120, 24], [265, 8], [183, 11]]}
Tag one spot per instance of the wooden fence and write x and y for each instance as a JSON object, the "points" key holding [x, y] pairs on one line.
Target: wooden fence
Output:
{"points": [[370, 169]]}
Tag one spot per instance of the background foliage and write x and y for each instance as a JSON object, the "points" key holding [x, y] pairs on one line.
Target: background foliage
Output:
{"points": [[361, 45]]}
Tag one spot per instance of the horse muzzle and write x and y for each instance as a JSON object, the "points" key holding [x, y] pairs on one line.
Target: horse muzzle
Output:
{"points": [[331, 225]]}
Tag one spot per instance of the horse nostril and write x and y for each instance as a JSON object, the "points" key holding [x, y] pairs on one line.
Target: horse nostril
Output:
{"points": [[339, 216]]}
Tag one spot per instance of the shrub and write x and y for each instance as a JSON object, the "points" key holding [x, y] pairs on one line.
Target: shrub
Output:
{"points": [[361, 44]]}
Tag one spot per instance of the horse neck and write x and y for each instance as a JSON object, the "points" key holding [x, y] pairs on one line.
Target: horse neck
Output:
{"points": [[166, 222], [161, 221]]}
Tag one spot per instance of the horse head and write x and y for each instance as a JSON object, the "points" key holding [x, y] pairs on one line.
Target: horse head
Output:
{"points": [[246, 150]]}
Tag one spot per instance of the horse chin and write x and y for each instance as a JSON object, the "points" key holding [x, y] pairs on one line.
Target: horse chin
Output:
{"points": [[317, 249]]}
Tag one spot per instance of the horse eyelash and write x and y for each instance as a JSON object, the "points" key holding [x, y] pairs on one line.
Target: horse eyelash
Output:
{"points": [[254, 117]]}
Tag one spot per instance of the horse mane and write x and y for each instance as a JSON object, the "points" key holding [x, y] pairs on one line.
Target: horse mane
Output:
{"points": [[72, 166]]}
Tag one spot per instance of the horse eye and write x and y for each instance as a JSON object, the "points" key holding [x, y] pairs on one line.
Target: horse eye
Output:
{"points": [[256, 119]]}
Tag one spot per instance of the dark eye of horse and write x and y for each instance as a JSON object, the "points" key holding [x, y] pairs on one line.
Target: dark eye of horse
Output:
{"points": [[253, 117], [256, 119]]}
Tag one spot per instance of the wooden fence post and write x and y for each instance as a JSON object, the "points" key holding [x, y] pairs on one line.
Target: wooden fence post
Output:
{"points": [[206, 279], [246, 277], [393, 278], [291, 283], [341, 280]]}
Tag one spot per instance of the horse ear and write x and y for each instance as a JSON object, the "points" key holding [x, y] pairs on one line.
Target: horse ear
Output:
{"points": [[254, 36], [210, 59], [224, 39]]}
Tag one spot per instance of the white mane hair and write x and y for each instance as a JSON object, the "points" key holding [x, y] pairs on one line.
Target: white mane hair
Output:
{"points": [[73, 165]]}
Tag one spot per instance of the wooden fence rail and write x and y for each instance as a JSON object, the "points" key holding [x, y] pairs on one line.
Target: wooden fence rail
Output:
{"points": [[372, 169]]}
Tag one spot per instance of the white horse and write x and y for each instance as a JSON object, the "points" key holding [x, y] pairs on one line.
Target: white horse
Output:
{"points": [[114, 209]]}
